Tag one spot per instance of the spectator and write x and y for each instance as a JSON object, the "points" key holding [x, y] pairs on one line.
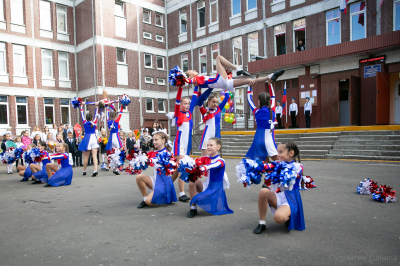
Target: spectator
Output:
{"points": [[301, 47], [37, 139]]}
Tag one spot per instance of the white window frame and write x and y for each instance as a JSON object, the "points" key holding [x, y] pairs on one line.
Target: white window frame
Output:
{"points": [[214, 2], [59, 65], [184, 59], [2, 11], [17, 47], [240, 9], [151, 61], [212, 57], [124, 108], [152, 104], [26, 108], [158, 102], [275, 48], [247, 6], [124, 51], [241, 49], [294, 32], [147, 37], [394, 14], [162, 20], [65, 13], [248, 45], [355, 14], [86, 106], [202, 54], [149, 80], [121, 4], [161, 81], [330, 20], [20, 8], [51, 63], [198, 17], [69, 112], [159, 36], [146, 10], [45, 18], [44, 112], [180, 22], [8, 113], [163, 63], [3, 49]]}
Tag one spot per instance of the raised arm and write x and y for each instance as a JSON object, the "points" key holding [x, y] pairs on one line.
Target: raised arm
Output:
{"points": [[194, 99], [96, 111], [120, 114], [224, 101], [178, 101], [254, 109], [82, 114]]}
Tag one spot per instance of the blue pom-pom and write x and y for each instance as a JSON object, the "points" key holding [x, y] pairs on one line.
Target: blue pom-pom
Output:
{"points": [[250, 171], [165, 163], [124, 100], [122, 157], [175, 77], [76, 102], [284, 175], [18, 153]]}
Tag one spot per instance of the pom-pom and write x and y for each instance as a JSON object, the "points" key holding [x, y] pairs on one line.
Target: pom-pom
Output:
{"points": [[10, 144], [124, 100], [384, 194], [176, 77], [8, 156], [33, 156], [103, 167], [308, 183], [18, 153], [368, 186], [138, 161], [189, 169], [249, 171], [114, 157], [165, 163], [76, 102], [283, 175]]}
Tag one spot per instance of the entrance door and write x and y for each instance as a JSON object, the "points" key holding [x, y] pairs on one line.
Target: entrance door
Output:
{"points": [[382, 98], [397, 105], [344, 103]]}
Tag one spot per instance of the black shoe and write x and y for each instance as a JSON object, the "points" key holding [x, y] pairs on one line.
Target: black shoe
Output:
{"points": [[47, 185], [192, 213], [242, 72], [265, 186], [84, 173], [73, 166], [260, 228], [142, 205], [116, 172], [287, 223], [94, 174], [22, 180], [36, 182], [81, 165], [277, 74], [98, 163], [184, 198]]}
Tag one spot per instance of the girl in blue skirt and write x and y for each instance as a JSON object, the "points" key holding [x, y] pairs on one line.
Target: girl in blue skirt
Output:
{"points": [[62, 176], [39, 175]]}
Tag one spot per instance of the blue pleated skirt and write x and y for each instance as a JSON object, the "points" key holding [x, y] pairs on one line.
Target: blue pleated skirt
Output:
{"points": [[213, 199], [27, 173], [263, 142], [63, 177], [41, 175], [164, 190], [296, 210]]}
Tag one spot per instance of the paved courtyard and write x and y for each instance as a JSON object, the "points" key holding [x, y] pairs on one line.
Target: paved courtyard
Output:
{"points": [[95, 221]]}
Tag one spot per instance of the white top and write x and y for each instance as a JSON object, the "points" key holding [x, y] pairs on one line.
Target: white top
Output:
{"points": [[34, 133], [293, 107], [308, 107], [44, 135], [53, 132], [278, 110]]}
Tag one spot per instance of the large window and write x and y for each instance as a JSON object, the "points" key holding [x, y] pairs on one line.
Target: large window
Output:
{"points": [[22, 106], [62, 19], [64, 103], [3, 68], [2, 10], [121, 56], [159, 20], [237, 51], [148, 61], [253, 46], [161, 105], [45, 15], [120, 20], [149, 105], [146, 16], [251, 4], [47, 63], [203, 60], [396, 17], [49, 111], [333, 27], [213, 11], [63, 65], [358, 29], [235, 7], [160, 62], [19, 60], [122, 67], [185, 62], [201, 14], [299, 33], [215, 53], [183, 20], [3, 110], [17, 12], [280, 39]]}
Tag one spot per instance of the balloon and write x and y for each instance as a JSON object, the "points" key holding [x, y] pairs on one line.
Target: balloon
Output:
{"points": [[226, 119], [230, 120], [231, 110], [227, 106], [233, 104], [223, 113], [226, 114], [222, 93], [232, 115], [234, 121], [231, 94], [222, 98], [230, 103], [223, 109]]}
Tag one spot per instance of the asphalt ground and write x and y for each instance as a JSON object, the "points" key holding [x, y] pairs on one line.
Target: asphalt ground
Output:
{"points": [[94, 221]]}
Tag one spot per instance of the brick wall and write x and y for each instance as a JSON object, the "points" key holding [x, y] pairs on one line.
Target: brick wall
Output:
{"points": [[83, 21]]}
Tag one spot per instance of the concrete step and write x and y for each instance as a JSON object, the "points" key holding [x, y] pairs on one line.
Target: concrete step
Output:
{"points": [[378, 132], [324, 138], [313, 143], [367, 147], [321, 134], [312, 152], [363, 157], [365, 152], [367, 142], [369, 137]]}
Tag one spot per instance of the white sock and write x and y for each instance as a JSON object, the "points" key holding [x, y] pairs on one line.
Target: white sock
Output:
{"points": [[238, 69], [144, 198], [193, 207], [94, 171], [270, 75], [262, 222], [181, 193], [84, 171]]}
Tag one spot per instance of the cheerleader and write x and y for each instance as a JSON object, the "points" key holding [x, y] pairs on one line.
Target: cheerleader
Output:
{"points": [[62, 176], [161, 186], [264, 140], [114, 141], [7, 137], [211, 118], [286, 205], [39, 175], [25, 171], [210, 195], [89, 143], [183, 139], [222, 81]]}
